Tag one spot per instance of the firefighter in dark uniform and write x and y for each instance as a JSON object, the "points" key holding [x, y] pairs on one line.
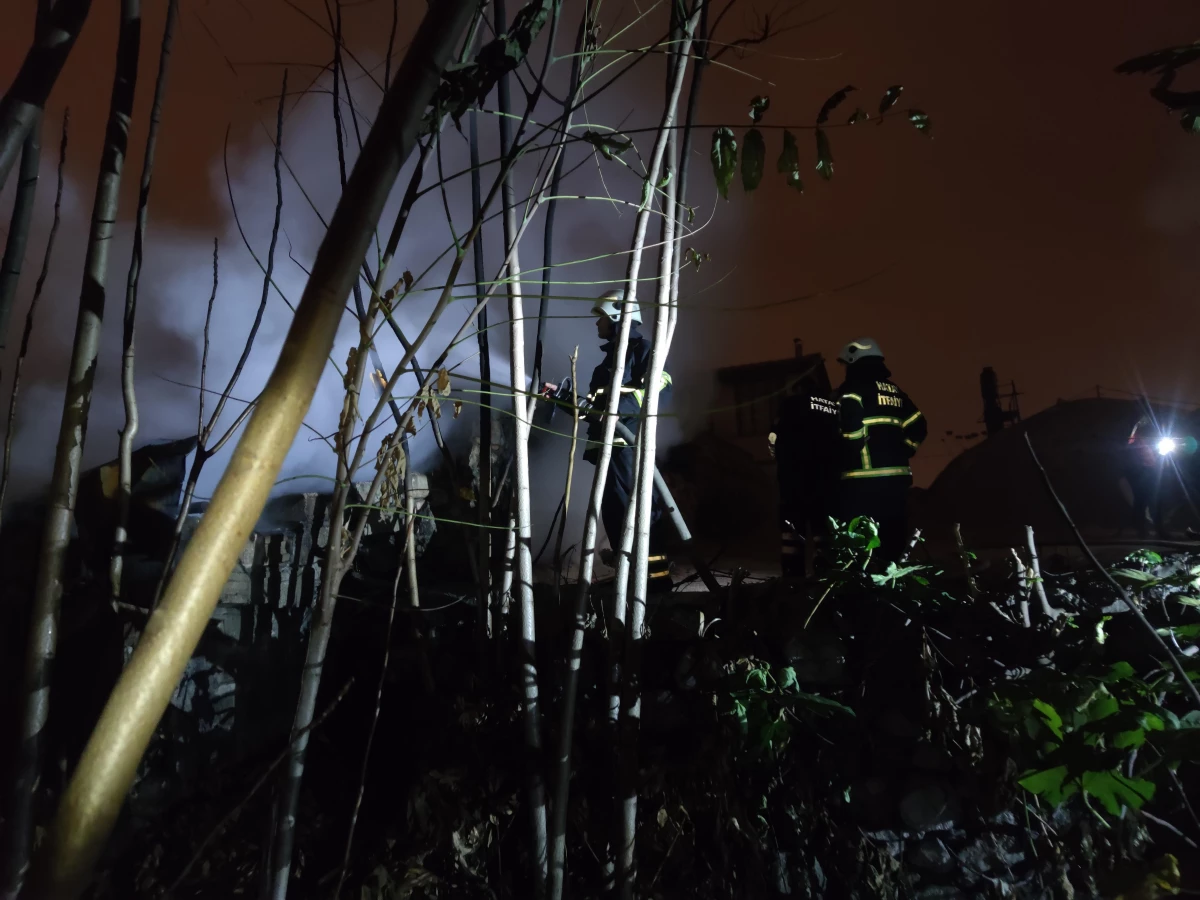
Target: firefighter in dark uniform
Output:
{"points": [[804, 443], [619, 487], [881, 429]]}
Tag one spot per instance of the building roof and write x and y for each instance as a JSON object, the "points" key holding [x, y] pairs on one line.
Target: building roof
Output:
{"points": [[777, 369], [994, 489]]}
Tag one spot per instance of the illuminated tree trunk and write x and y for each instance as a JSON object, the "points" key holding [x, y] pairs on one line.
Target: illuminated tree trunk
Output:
{"points": [[129, 432], [106, 770], [64, 483], [23, 103]]}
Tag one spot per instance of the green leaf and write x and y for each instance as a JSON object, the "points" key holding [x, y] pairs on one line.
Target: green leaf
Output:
{"points": [[789, 161], [1190, 720], [822, 705], [1182, 631], [1133, 576], [724, 159], [758, 106], [859, 115], [1102, 707], [894, 573], [1048, 782], [824, 156], [890, 97], [786, 678], [754, 155], [757, 678], [1050, 715], [1118, 672], [1188, 601], [739, 713], [1125, 740], [832, 103], [920, 121], [1114, 790], [1190, 121], [609, 145]]}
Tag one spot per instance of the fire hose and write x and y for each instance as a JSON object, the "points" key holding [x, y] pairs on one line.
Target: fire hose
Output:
{"points": [[670, 507]]}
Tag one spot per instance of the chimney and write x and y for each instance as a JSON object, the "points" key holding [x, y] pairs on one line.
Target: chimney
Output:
{"points": [[799, 345]]}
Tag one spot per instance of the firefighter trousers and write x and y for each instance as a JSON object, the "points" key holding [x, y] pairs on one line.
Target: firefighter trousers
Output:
{"points": [[886, 501], [618, 494]]}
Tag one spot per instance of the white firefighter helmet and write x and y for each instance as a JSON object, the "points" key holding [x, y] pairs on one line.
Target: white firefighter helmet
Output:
{"points": [[609, 304], [860, 348]]}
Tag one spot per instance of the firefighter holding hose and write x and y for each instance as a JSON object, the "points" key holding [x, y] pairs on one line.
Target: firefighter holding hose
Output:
{"points": [[619, 488]]}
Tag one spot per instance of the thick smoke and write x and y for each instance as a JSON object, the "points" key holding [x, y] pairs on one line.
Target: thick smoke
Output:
{"points": [[592, 238]]}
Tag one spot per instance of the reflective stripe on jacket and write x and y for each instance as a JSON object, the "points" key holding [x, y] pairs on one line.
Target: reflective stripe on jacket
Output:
{"points": [[633, 393], [881, 429]]}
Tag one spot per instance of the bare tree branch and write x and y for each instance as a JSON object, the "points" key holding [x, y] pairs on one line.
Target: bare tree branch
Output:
{"points": [[128, 394], [10, 428]]}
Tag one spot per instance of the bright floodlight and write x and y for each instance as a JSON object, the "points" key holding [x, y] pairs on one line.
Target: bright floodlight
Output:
{"points": [[1166, 446]]}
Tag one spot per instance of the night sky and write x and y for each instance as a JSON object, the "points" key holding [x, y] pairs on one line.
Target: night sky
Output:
{"points": [[1047, 229]]}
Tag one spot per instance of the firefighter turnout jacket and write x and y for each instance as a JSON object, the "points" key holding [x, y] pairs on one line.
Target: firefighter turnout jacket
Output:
{"points": [[633, 391], [804, 441], [881, 427]]}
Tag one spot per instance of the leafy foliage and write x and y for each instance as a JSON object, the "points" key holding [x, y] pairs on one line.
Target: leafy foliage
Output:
{"points": [[789, 161], [767, 706], [1075, 731], [465, 85], [890, 96], [754, 154], [824, 156], [758, 107], [920, 121], [829, 105], [609, 145], [724, 159]]}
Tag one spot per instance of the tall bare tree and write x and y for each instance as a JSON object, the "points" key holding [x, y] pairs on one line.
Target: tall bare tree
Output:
{"points": [[106, 770], [27, 331], [25, 99], [43, 634], [532, 709], [22, 211], [128, 394]]}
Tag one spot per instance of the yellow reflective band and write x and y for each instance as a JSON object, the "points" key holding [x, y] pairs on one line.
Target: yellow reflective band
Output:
{"points": [[878, 473], [866, 457], [855, 435], [659, 575], [852, 397], [881, 420], [655, 558], [912, 444], [911, 419]]}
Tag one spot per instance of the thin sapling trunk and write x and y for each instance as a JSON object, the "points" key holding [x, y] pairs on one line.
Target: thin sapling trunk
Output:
{"points": [[33, 305], [591, 521], [23, 103], [647, 446], [106, 769], [532, 709], [64, 482], [128, 394]]}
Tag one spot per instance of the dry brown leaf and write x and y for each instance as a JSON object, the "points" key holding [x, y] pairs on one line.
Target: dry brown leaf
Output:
{"points": [[457, 408], [408, 280], [443, 381]]}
